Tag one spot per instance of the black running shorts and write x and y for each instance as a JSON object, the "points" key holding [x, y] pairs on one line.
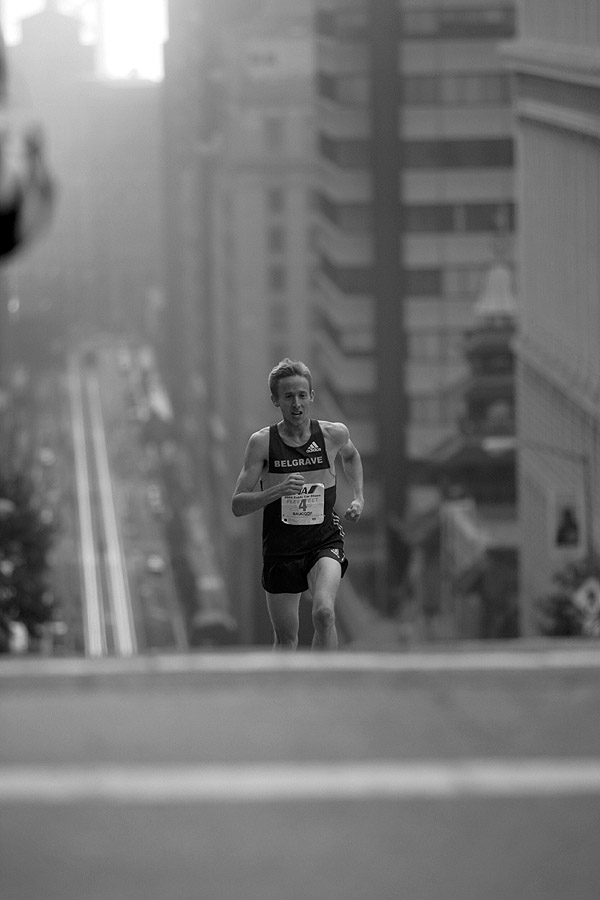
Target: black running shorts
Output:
{"points": [[288, 574]]}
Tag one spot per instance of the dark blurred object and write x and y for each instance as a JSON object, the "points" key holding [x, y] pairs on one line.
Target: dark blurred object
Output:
{"points": [[26, 188]]}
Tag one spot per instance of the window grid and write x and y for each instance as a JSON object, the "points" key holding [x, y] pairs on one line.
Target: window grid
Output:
{"points": [[277, 278], [459, 154], [461, 22], [459, 218], [276, 238], [451, 282], [436, 344], [435, 409], [460, 89], [275, 198]]}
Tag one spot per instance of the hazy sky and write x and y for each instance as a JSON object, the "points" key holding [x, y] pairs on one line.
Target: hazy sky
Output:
{"points": [[134, 30]]}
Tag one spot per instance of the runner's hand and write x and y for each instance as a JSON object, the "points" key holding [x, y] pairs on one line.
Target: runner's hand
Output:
{"points": [[293, 484], [354, 511]]}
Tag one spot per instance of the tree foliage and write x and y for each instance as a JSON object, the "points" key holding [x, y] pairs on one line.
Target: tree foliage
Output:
{"points": [[559, 614], [25, 541]]}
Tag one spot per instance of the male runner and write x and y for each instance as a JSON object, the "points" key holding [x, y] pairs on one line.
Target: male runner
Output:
{"points": [[289, 473]]}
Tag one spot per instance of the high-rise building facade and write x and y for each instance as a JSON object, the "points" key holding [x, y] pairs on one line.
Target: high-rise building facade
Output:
{"points": [[239, 89], [262, 257], [415, 186], [100, 262], [557, 106]]}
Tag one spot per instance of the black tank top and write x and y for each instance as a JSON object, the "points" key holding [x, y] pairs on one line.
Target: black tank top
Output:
{"points": [[280, 537]]}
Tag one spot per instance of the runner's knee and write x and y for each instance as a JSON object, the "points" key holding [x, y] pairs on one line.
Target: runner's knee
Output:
{"points": [[285, 638], [323, 617]]}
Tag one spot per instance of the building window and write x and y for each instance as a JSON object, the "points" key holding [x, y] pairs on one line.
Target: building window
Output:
{"points": [[421, 90], [432, 218], [459, 218], [484, 22], [349, 280], [423, 282], [436, 345], [345, 153], [424, 345], [419, 23], [353, 90], [350, 24], [274, 133], [434, 409], [461, 22], [277, 278], [348, 90], [489, 216], [327, 85], [275, 197], [276, 239], [347, 216], [462, 282], [356, 339], [278, 318], [425, 409], [457, 90], [456, 154]]}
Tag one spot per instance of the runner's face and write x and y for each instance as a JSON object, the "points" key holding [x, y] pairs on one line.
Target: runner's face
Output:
{"points": [[294, 399]]}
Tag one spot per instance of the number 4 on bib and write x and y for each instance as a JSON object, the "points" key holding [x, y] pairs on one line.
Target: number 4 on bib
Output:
{"points": [[305, 508]]}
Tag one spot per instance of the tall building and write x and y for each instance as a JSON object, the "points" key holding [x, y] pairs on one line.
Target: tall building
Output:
{"points": [[262, 261], [557, 106], [239, 88], [49, 70], [476, 474], [416, 179], [100, 265]]}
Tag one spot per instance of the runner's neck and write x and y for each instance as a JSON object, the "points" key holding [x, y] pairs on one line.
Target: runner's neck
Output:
{"points": [[295, 437]]}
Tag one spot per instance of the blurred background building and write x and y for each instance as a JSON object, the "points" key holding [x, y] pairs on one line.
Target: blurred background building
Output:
{"points": [[555, 66], [100, 267], [338, 181], [239, 173], [416, 178]]}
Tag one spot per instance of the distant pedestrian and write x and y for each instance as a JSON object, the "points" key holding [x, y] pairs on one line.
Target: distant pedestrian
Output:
{"points": [[289, 473]]}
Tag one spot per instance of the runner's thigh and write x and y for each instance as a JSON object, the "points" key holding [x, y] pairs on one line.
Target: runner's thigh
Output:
{"points": [[324, 579], [283, 610]]}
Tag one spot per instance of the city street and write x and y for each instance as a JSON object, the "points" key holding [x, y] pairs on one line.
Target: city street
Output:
{"points": [[453, 774]]}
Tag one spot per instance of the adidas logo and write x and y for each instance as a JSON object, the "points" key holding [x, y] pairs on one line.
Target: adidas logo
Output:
{"points": [[314, 448]]}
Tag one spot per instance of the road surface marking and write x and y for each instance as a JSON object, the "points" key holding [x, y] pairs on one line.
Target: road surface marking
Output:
{"points": [[119, 596], [259, 661], [391, 780], [94, 624]]}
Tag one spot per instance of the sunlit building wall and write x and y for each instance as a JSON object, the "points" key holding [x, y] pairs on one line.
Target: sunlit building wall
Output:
{"points": [[100, 263], [557, 108], [50, 71], [415, 184]]}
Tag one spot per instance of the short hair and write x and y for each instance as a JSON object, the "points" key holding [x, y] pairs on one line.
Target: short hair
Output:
{"points": [[286, 369]]}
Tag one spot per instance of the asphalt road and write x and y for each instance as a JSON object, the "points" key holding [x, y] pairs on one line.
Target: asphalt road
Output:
{"points": [[472, 774]]}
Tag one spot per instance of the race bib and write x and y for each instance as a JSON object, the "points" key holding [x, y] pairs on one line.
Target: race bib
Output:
{"points": [[305, 508]]}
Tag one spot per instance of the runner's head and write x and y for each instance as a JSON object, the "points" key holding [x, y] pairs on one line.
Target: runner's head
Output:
{"points": [[286, 369]]}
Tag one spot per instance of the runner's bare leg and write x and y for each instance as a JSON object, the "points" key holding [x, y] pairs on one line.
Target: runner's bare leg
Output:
{"points": [[324, 581], [283, 611]]}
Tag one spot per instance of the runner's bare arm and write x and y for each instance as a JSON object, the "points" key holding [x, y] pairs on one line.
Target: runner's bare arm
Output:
{"points": [[246, 498], [353, 470]]}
